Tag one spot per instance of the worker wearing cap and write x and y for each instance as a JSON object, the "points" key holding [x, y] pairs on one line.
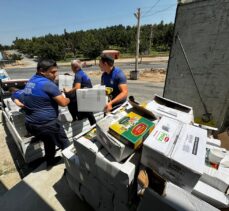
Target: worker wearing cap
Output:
{"points": [[41, 99], [114, 78]]}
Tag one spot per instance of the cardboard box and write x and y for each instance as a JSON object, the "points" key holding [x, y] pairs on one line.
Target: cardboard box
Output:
{"points": [[174, 198], [160, 106], [132, 129], [224, 138], [65, 81], [117, 149], [216, 178], [87, 150], [72, 163], [117, 177], [176, 151], [210, 195], [92, 99], [74, 185]]}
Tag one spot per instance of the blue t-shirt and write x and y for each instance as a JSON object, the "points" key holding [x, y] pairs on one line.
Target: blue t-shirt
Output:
{"points": [[38, 100], [113, 80], [19, 94], [82, 78]]}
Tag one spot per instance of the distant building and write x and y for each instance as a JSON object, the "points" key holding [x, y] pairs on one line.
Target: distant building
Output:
{"points": [[114, 53]]}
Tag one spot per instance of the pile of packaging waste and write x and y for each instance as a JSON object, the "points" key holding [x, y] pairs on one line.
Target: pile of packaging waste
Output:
{"points": [[150, 155]]}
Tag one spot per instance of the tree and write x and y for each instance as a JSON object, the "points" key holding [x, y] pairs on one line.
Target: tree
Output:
{"points": [[90, 46]]}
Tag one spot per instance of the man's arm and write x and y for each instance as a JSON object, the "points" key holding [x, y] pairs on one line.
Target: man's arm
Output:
{"points": [[76, 86], [19, 103], [122, 95], [61, 100]]}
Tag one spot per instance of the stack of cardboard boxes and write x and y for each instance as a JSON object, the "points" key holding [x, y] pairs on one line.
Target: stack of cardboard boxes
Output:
{"points": [[103, 164]]}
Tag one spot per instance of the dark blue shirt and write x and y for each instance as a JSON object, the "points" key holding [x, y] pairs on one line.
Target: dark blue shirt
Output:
{"points": [[113, 80], [38, 100], [19, 94], [82, 78]]}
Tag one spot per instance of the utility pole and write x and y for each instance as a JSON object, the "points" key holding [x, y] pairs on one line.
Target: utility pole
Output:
{"points": [[150, 39], [134, 74]]}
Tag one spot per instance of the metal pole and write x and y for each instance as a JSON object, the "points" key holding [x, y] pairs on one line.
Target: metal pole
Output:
{"points": [[138, 16]]}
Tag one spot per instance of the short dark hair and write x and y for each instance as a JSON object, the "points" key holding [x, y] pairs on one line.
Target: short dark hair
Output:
{"points": [[106, 58], [45, 64]]}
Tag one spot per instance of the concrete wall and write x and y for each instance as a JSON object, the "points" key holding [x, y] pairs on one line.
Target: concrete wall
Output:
{"points": [[203, 27]]}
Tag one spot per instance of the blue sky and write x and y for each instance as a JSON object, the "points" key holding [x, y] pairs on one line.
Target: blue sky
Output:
{"points": [[34, 18]]}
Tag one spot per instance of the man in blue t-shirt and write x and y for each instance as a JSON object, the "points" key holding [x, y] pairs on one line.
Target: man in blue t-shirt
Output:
{"points": [[41, 100], [114, 78], [81, 80], [17, 96]]}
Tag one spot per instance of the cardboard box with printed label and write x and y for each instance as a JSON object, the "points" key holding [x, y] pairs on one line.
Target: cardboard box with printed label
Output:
{"points": [[160, 106], [176, 151], [132, 129], [117, 149], [92, 99]]}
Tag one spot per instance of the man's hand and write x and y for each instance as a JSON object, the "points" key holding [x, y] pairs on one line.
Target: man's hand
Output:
{"points": [[108, 107], [66, 90]]}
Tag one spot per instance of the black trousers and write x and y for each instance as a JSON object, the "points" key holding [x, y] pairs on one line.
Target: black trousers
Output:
{"points": [[73, 109], [52, 134]]}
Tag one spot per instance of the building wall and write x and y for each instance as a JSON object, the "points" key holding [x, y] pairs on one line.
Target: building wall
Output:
{"points": [[203, 28]]}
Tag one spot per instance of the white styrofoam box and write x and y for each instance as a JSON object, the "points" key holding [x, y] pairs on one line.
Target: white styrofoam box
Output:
{"points": [[214, 142], [72, 164], [173, 198], [160, 106], [183, 200], [91, 197], [65, 116], [103, 194], [87, 150], [180, 161], [117, 149], [216, 178], [11, 105], [118, 177], [65, 81], [119, 206], [92, 99], [210, 195], [74, 185]]}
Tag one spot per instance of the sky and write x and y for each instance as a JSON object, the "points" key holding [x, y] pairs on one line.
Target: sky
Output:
{"points": [[34, 18]]}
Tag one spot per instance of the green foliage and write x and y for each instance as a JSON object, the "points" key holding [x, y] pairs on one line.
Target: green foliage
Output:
{"points": [[90, 43], [15, 57]]}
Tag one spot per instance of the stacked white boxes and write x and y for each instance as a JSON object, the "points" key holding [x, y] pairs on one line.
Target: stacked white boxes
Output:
{"points": [[160, 106], [31, 148], [211, 195], [173, 198], [117, 149], [176, 151], [104, 183]]}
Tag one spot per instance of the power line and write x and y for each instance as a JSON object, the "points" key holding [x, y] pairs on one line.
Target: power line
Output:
{"points": [[159, 11], [151, 8]]}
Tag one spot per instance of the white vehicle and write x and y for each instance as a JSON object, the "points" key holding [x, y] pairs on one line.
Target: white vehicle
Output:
{"points": [[4, 75]]}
